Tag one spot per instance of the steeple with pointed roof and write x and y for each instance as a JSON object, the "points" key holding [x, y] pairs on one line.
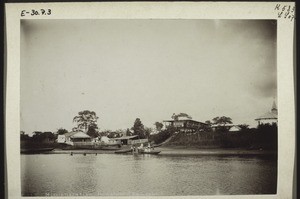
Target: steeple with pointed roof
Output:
{"points": [[269, 117], [274, 108]]}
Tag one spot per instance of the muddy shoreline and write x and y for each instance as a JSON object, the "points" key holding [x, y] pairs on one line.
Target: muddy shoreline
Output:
{"points": [[175, 151]]}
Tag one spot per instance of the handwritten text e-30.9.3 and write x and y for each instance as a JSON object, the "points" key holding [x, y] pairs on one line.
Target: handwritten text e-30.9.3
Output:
{"points": [[36, 12]]}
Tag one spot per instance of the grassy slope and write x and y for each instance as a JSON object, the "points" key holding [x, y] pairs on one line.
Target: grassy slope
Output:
{"points": [[244, 140]]}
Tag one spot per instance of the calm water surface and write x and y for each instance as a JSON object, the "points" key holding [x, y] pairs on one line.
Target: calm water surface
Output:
{"points": [[112, 174]]}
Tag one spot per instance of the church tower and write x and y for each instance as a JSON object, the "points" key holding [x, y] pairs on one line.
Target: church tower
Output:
{"points": [[274, 108], [270, 117]]}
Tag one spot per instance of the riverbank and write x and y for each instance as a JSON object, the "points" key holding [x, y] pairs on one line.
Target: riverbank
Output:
{"points": [[264, 137], [195, 151], [178, 151]]}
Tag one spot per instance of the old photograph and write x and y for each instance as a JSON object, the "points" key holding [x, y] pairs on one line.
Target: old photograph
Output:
{"points": [[150, 100], [148, 107]]}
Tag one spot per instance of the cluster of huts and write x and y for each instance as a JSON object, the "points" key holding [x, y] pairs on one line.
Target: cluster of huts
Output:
{"points": [[82, 139]]}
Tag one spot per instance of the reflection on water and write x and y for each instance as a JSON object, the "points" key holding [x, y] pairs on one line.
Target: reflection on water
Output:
{"points": [[111, 174]]}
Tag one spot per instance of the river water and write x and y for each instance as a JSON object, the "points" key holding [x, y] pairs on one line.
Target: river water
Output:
{"points": [[127, 175]]}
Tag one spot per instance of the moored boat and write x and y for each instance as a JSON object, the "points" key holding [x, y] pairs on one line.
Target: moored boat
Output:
{"points": [[123, 151], [92, 146], [146, 150], [150, 152]]}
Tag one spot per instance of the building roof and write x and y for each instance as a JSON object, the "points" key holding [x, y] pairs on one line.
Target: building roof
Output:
{"points": [[273, 114], [69, 134], [235, 128], [184, 120], [126, 137], [222, 125], [77, 134], [269, 115]]}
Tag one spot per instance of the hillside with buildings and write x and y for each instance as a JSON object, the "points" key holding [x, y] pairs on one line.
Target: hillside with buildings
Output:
{"points": [[221, 133], [263, 137]]}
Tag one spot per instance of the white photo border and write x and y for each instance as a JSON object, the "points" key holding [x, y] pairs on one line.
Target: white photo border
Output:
{"points": [[157, 10]]}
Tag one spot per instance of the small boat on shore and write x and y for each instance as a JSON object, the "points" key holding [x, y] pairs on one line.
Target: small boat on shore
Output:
{"points": [[150, 152], [145, 150], [123, 151]]}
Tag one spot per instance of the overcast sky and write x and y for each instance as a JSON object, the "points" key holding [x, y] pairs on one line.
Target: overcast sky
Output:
{"points": [[150, 69]]}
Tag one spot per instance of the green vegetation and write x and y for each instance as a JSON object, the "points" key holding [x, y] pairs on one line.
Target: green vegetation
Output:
{"points": [[222, 120], [158, 126], [176, 116], [128, 132], [263, 137], [139, 129], [38, 140], [87, 122], [61, 131], [162, 135], [24, 136]]}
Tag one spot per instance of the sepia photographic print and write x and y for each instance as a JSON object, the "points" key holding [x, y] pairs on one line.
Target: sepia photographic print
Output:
{"points": [[144, 106]]}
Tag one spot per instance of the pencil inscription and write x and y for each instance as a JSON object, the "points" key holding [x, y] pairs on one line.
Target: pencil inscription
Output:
{"points": [[285, 11]]}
